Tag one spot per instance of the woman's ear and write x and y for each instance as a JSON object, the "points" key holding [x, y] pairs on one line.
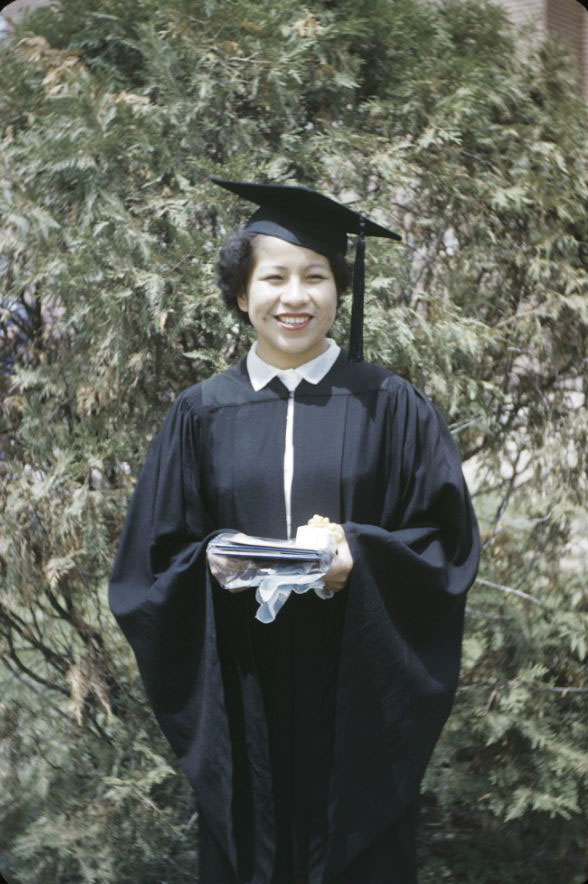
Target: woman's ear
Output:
{"points": [[243, 302]]}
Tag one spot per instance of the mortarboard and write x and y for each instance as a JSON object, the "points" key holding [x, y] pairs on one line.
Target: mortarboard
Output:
{"points": [[307, 218]]}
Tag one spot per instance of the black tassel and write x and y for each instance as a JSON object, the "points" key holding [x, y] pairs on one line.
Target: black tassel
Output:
{"points": [[356, 333]]}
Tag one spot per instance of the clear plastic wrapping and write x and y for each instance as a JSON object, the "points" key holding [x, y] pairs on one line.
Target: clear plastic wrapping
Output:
{"points": [[275, 567]]}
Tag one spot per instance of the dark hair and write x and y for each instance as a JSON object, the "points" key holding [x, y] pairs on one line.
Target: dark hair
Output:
{"points": [[235, 264]]}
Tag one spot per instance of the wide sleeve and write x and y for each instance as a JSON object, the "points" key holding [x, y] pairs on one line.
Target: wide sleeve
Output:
{"points": [[161, 595], [153, 592], [426, 541], [404, 614]]}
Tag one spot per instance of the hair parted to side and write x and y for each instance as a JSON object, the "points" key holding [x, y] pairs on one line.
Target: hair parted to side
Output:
{"points": [[235, 264]]}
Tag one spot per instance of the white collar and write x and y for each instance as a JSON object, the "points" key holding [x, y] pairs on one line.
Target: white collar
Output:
{"points": [[261, 372]]}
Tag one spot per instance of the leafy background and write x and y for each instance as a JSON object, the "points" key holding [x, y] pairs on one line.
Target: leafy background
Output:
{"points": [[113, 115]]}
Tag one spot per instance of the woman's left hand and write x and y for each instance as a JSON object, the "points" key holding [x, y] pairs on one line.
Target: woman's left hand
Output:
{"points": [[336, 576]]}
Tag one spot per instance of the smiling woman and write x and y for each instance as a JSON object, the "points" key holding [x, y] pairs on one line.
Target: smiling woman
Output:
{"points": [[235, 264], [306, 738], [291, 301]]}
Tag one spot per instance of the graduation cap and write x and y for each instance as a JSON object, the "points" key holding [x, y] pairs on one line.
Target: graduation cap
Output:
{"points": [[306, 218]]}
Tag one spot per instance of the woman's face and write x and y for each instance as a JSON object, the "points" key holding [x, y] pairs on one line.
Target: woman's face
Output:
{"points": [[291, 299]]}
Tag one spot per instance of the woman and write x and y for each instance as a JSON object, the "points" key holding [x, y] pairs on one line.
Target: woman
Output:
{"points": [[306, 739]]}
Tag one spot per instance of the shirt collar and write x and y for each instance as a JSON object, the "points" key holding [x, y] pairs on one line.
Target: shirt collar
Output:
{"points": [[261, 372]]}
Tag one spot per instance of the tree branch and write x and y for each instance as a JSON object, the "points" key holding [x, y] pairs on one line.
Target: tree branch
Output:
{"points": [[50, 655], [567, 689], [32, 675], [36, 690], [508, 589]]}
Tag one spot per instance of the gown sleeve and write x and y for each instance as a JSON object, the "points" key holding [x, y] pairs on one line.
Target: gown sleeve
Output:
{"points": [[427, 542], [161, 596]]}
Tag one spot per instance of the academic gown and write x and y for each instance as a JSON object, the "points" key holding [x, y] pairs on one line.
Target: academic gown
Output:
{"points": [[305, 739]]}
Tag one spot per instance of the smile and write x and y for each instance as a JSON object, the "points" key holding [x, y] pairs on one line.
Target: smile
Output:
{"points": [[294, 320]]}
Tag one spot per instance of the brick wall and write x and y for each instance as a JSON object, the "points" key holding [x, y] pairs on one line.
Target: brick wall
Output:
{"points": [[523, 12], [585, 58], [568, 20]]}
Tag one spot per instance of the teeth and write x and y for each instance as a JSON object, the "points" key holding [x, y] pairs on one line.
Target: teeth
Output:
{"points": [[290, 320]]}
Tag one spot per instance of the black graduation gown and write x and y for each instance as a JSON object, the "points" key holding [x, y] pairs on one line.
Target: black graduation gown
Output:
{"points": [[306, 739]]}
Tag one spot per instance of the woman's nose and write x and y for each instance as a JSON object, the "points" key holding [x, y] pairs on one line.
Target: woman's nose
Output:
{"points": [[295, 292]]}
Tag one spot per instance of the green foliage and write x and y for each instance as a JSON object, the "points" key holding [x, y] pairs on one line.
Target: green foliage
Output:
{"points": [[113, 115]]}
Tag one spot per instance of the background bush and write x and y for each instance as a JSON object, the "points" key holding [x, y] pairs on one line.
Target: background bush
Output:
{"points": [[113, 115]]}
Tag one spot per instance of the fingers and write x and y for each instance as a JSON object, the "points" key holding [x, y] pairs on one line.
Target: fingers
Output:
{"points": [[338, 574]]}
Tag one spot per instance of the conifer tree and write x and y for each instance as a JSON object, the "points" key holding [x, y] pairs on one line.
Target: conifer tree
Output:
{"points": [[113, 116]]}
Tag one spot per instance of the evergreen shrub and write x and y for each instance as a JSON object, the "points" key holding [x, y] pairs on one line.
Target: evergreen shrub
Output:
{"points": [[113, 115]]}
